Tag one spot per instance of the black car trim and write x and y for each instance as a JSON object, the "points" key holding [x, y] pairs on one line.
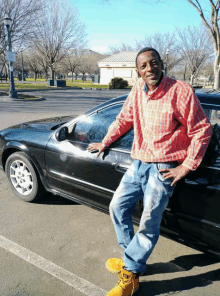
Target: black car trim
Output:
{"points": [[210, 105], [80, 181], [210, 167], [192, 219]]}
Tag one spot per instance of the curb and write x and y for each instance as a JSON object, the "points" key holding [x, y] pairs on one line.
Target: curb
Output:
{"points": [[28, 100], [5, 97]]}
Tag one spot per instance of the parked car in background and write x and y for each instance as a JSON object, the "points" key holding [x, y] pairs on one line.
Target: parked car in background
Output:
{"points": [[51, 155]]}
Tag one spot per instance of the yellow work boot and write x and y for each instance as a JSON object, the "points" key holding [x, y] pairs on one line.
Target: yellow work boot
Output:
{"points": [[127, 285], [114, 265]]}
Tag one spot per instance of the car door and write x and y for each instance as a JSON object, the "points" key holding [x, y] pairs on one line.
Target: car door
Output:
{"points": [[193, 210], [73, 170]]}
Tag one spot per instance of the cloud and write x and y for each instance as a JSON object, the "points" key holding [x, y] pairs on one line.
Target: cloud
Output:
{"points": [[100, 49]]}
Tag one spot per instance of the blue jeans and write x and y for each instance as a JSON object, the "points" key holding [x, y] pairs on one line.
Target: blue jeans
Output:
{"points": [[142, 180]]}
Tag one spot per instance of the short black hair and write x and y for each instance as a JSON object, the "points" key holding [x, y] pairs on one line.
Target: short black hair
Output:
{"points": [[147, 49]]}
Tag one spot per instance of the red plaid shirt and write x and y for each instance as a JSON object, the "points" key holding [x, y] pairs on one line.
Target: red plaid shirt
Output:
{"points": [[169, 125]]}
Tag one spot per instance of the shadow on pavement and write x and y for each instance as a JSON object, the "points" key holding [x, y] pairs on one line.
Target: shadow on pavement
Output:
{"points": [[182, 263], [175, 286], [51, 199]]}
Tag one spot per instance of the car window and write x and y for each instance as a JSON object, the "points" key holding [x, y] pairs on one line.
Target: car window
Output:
{"points": [[94, 128], [213, 115], [212, 155]]}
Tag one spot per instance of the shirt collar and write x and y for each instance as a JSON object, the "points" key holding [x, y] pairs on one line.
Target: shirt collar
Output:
{"points": [[146, 87]]}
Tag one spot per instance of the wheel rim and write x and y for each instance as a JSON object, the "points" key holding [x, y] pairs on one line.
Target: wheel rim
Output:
{"points": [[21, 177]]}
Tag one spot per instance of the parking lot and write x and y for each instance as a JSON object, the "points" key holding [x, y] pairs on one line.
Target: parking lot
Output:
{"points": [[57, 247]]}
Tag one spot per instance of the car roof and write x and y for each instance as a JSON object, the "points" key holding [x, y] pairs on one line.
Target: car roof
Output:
{"points": [[211, 100]]}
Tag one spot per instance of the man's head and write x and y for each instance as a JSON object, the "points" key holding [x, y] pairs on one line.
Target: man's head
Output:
{"points": [[149, 66]]}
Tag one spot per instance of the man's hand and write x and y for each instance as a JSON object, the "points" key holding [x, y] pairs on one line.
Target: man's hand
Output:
{"points": [[176, 173], [96, 146]]}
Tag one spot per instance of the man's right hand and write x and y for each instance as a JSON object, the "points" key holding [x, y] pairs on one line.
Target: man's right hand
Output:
{"points": [[96, 146]]}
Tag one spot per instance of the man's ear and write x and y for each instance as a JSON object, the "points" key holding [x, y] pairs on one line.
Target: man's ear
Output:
{"points": [[162, 64], [138, 73]]}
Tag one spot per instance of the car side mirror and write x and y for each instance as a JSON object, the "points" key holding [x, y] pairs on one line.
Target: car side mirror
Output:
{"points": [[62, 134]]}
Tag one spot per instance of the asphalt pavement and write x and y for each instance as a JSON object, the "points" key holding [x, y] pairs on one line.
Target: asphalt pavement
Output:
{"points": [[58, 247], [59, 100]]}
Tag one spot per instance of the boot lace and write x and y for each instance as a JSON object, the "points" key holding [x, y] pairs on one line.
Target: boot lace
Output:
{"points": [[123, 283]]}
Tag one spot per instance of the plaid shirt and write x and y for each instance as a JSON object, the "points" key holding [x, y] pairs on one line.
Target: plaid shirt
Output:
{"points": [[169, 125]]}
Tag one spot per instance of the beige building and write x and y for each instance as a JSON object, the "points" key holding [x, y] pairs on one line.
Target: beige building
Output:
{"points": [[121, 65]]}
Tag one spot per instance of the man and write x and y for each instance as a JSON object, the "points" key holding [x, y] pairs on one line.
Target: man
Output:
{"points": [[171, 134]]}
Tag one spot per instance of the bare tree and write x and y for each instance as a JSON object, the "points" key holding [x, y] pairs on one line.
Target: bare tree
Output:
{"points": [[88, 63], [43, 63], [207, 73], [3, 69], [33, 65], [58, 30], [84, 65], [22, 13], [21, 62], [195, 47], [77, 72], [213, 28], [211, 21], [122, 47], [71, 62], [162, 43]]}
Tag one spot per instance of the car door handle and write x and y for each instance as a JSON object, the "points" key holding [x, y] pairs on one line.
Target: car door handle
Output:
{"points": [[121, 167]]}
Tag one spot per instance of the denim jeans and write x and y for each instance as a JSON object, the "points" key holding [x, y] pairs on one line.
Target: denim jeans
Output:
{"points": [[142, 180]]}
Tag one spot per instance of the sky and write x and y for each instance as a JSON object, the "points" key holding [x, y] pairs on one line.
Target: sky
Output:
{"points": [[125, 21]]}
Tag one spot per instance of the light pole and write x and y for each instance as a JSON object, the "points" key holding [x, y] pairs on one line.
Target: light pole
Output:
{"points": [[166, 68], [12, 92]]}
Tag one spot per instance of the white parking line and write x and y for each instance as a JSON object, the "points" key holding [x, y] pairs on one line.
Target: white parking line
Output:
{"points": [[67, 277]]}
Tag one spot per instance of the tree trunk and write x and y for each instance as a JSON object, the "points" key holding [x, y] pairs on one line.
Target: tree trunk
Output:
{"points": [[192, 79], [72, 76], [216, 72], [35, 76], [184, 74], [53, 72]]}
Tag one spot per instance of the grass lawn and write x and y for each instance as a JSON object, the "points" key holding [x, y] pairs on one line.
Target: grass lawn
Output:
{"points": [[5, 86], [30, 83]]}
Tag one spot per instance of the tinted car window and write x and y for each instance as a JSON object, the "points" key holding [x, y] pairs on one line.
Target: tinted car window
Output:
{"points": [[212, 156], [95, 127], [213, 115]]}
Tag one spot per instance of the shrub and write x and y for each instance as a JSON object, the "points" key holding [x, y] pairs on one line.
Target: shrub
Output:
{"points": [[118, 83]]}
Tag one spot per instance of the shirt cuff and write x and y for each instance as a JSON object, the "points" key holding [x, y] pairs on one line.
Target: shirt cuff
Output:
{"points": [[106, 142], [191, 164]]}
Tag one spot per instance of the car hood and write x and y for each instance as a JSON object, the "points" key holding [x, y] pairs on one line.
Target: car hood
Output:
{"points": [[43, 124]]}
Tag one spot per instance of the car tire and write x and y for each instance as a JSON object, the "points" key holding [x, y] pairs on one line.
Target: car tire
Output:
{"points": [[23, 178]]}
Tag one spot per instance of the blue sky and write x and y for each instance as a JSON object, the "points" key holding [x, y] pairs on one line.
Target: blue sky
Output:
{"points": [[124, 21]]}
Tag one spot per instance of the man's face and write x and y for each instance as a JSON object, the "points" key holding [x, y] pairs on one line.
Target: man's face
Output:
{"points": [[149, 67]]}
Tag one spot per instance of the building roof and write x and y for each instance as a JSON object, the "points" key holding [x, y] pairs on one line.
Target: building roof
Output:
{"points": [[123, 56]]}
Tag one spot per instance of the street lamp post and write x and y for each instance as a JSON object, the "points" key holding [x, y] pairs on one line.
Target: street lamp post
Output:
{"points": [[166, 68], [12, 92]]}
